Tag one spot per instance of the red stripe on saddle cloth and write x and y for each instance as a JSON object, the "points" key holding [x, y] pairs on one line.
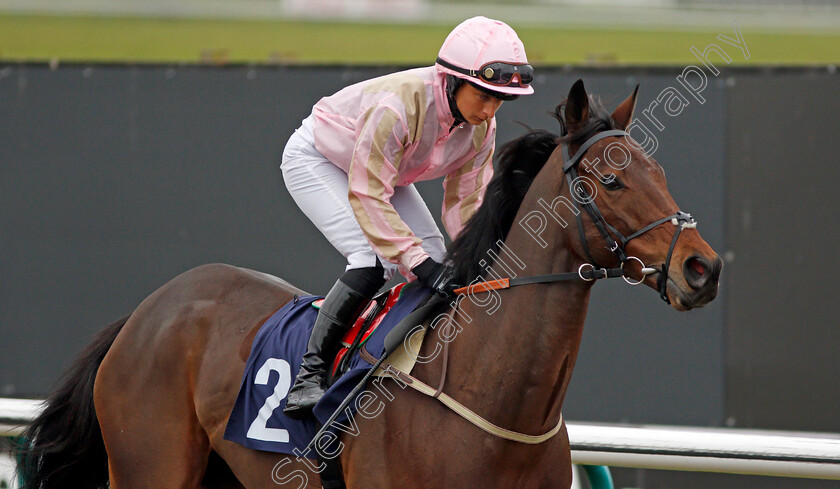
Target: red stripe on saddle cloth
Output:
{"points": [[350, 336]]}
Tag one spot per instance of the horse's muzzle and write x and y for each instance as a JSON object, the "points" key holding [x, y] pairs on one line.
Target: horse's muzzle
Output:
{"points": [[702, 276]]}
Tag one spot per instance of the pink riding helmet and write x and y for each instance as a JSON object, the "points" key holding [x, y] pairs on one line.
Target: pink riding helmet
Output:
{"points": [[488, 53]]}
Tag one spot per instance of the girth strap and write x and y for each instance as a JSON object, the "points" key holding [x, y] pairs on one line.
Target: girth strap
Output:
{"points": [[331, 475]]}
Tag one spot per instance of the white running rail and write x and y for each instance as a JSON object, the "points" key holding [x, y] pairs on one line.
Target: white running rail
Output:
{"points": [[15, 414], [755, 452]]}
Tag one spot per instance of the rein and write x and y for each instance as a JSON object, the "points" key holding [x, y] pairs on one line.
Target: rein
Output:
{"points": [[681, 220]]}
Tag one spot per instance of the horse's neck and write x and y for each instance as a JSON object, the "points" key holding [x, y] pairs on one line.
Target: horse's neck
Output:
{"points": [[514, 359]]}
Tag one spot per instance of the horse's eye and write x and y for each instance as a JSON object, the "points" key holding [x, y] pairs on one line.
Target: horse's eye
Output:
{"points": [[611, 182]]}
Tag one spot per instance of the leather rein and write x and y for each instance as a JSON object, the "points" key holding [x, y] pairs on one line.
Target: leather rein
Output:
{"points": [[681, 220]]}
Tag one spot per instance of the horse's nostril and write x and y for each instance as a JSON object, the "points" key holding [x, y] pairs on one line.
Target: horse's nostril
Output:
{"points": [[697, 266], [696, 270]]}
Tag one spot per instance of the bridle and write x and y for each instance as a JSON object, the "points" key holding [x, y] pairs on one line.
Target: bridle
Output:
{"points": [[581, 198], [681, 220]]}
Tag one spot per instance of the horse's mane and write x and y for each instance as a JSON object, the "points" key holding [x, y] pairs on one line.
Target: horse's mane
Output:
{"points": [[517, 164]]}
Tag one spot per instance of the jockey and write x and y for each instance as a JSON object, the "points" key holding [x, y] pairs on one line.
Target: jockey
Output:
{"points": [[352, 163]]}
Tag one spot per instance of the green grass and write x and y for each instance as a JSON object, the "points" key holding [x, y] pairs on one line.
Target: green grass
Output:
{"points": [[97, 39]]}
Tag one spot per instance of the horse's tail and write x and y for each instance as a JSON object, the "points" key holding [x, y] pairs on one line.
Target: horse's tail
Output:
{"points": [[63, 446]]}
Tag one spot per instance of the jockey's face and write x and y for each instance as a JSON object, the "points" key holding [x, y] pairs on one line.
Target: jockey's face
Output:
{"points": [[475, 105]]}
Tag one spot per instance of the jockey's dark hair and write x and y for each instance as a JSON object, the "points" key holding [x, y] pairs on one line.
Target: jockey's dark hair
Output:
{"points": [[452, 84], [517, 164]]}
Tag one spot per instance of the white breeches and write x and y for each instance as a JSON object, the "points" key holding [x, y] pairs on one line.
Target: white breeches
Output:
{"points": [[320, 189]]}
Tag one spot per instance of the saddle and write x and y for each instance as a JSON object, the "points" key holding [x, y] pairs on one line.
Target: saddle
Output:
{"points": [[354, 340]]}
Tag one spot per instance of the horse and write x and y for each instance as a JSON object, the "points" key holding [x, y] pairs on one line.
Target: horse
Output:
{"points": [[147, 402]]}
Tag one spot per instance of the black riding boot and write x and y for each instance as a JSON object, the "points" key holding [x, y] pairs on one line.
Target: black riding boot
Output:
{"points": [[339, 310]]}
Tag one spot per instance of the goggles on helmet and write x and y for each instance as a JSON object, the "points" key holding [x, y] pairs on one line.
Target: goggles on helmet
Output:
{"points": [[497, 73]]}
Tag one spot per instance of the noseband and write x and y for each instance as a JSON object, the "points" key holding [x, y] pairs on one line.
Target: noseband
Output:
{"points": [[591, 271]]}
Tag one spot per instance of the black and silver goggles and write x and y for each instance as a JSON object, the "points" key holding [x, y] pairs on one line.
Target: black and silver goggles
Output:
{"points": [[497, 73]]}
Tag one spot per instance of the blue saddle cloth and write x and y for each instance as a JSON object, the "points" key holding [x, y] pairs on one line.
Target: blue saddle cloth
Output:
{"points": [[257, 420]]}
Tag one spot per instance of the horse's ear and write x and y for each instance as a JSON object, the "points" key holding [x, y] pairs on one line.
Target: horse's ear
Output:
{"points": [[624, 113], [577, 105]]}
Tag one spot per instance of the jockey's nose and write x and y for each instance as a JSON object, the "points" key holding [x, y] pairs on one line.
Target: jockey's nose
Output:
{"points": [[491, 107]]}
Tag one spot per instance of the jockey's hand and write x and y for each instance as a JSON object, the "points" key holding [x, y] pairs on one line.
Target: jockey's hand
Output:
{"points": [[438, 276]]}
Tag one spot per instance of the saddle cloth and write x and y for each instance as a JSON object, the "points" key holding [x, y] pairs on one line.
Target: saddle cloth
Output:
{"points": [[257, 420]]}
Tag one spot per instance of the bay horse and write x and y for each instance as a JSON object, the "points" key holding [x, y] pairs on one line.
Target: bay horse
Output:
{"points": [[146, 404]]}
